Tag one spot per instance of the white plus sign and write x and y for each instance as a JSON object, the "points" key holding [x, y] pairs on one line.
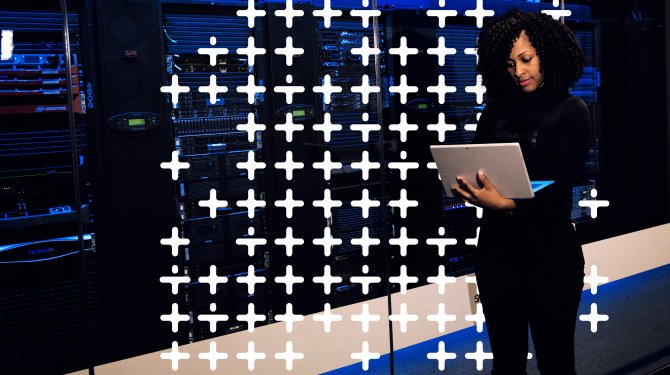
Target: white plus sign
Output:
{"points": [[365, 281], [175, 241], [289, 203], [250, 127], [473, 241], [250, 13], [477, 317], [441, 318], [403, 241], [327, 89], [403, 89], [432, 165], [327, 203], [289, 317], [289, 280], [403, 51], [175, 165], [213, 204], [403, 166], [472, 51], [175, 317], [441, 242], [289, 165], [213, 90], [175, 355], [441, 280], [327, 165], [289, 91], [365, 15], [251, 203], [327, 13], [441, 51], [365, 129], [251, 356], [594, 279], [365, 241], [250, 89], [251, 317], [212, 52], [365, 203], [289, 51], [472, 127], [593, 205], [441, 356], [441, 127], [479, 356], [289, 127], [251, 165], [479, 212], [213, 319], [477, 89], [365, 356], [365, 318], [403, 317], [251, 51], [365, 51], [213, 355], [556, 14], [327, 317], [403, 279], [251, 280], [593, 317], [327, 127], [213, 279], [441, 89], [479, 13], [327, 280], [251, 242], [365, 165], [441, 15], [403, 203], [365, 89], [174, 281], [403, 127], [327, 241], [289, 13], [289, 356], [174, 90], [289, 241]]}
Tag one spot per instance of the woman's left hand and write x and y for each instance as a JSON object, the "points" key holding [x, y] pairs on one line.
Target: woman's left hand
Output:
{"points": [[486, 197]]}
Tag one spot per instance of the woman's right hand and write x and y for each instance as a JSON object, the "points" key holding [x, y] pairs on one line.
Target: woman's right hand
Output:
{"points": [[486, 197]]}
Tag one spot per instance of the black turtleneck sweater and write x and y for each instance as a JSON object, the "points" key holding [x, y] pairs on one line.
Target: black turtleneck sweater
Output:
{"points": [[554, 134]]}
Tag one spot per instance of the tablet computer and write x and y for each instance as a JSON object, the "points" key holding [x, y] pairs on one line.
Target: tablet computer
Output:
{"points": [[501, 162]]}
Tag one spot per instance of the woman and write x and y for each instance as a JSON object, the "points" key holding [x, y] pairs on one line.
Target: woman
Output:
{"points": [[529, 265]]}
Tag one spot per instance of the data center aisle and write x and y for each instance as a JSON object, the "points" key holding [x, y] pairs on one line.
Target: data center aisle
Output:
{"points": [[628, 343]]}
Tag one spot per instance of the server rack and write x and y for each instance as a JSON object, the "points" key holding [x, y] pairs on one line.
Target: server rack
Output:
{"points": [[207, 136], [332, 59], [349, 109], [42, 268], [587, 87]]}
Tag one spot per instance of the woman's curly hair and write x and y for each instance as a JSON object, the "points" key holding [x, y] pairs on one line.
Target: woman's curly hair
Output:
{"points": [[561, 58]]}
